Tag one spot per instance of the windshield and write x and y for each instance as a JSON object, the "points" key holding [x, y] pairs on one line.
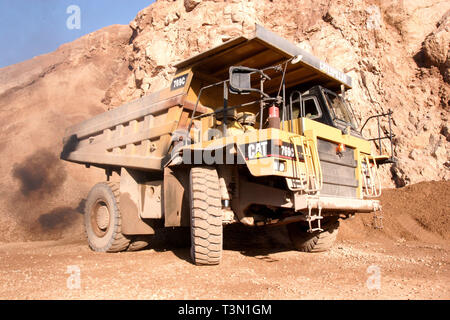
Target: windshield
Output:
{"points": [[339, 108], [311, 108]]}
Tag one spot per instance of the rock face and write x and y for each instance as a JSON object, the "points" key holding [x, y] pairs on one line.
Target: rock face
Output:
{"points": [[436, 47], [396, 53]]}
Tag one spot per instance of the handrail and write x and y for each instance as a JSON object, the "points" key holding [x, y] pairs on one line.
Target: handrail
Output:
{"points": [[372, 189], [314, 178], [198, 100], [302, 107], [389, 136]]}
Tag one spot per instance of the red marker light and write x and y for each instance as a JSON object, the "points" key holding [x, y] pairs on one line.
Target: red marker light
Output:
{"points": [[340, 148]]}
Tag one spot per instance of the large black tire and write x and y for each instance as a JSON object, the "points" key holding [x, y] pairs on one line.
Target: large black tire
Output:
{"points": [[317, 241], [103, 220], [206, 216]]}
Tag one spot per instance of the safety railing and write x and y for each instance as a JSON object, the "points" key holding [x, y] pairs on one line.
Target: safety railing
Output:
{"points": [[311, 181], [371, 178], [389, 135]]}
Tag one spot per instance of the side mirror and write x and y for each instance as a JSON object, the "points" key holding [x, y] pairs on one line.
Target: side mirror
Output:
{"points": [[240, 81]]}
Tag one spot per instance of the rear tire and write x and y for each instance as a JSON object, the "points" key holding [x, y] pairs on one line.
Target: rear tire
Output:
{"points": [[318, 241], [102, 219], [206, 216]]}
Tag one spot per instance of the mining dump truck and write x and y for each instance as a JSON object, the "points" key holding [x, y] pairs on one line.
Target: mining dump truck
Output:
{"points": [[255, 131]]}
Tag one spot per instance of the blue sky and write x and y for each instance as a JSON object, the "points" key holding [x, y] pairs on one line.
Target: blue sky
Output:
{"points": [[30, 28]]}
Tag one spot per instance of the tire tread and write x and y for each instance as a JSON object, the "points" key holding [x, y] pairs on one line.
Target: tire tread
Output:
{"points": [[206, 216]]}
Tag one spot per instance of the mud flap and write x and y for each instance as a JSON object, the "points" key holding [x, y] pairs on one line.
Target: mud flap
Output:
{"points": [[176, 197], [132, 223]]}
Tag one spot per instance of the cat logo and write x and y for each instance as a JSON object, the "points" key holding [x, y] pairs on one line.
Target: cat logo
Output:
{"points": [[257, 150]]}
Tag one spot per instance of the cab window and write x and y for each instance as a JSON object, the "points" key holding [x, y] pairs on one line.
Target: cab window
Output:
{"points": [[311, 107], [339, 108], [312, 110]]}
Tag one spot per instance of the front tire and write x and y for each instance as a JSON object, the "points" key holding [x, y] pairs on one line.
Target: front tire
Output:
{"points": [[206, 216], [103, 220]]}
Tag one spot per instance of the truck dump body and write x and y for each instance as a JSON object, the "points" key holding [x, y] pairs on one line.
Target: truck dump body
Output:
{"points": [[266, 49], [138, 134], [135, 135]]}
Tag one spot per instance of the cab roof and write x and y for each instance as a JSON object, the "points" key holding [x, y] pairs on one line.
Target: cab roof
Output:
{"points": [[263, 49]]}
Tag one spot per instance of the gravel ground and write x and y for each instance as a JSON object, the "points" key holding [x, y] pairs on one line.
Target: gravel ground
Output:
{"points": [[407, 270]]}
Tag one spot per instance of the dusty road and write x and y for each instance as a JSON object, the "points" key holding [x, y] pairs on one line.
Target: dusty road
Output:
{"points": [[411, 254], [251, 269]]}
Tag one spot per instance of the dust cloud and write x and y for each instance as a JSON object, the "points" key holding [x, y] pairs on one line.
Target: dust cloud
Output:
{"points": [[40, 178], [40, 173]]}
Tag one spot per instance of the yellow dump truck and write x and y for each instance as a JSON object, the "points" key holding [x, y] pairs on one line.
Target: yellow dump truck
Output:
{"points": [[255, 131]]}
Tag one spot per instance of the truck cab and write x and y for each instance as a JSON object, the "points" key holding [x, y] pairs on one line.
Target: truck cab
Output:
{"points": [[325, 106]]}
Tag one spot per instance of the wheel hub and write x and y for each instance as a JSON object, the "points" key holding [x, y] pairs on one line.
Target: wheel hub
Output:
{"points": [[102, 217]]}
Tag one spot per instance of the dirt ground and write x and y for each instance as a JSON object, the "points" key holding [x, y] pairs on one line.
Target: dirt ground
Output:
{"points": [[407, 259], [408, 270]]}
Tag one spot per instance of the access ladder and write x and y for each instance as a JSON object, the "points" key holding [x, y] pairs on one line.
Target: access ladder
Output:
{"points": [[308, 174]]}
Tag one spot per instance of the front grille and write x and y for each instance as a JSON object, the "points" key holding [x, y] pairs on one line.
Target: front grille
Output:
{"points": [[338, 170]]}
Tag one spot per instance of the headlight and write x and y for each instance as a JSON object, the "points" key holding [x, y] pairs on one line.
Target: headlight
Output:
{"points": [[279, 165]]}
